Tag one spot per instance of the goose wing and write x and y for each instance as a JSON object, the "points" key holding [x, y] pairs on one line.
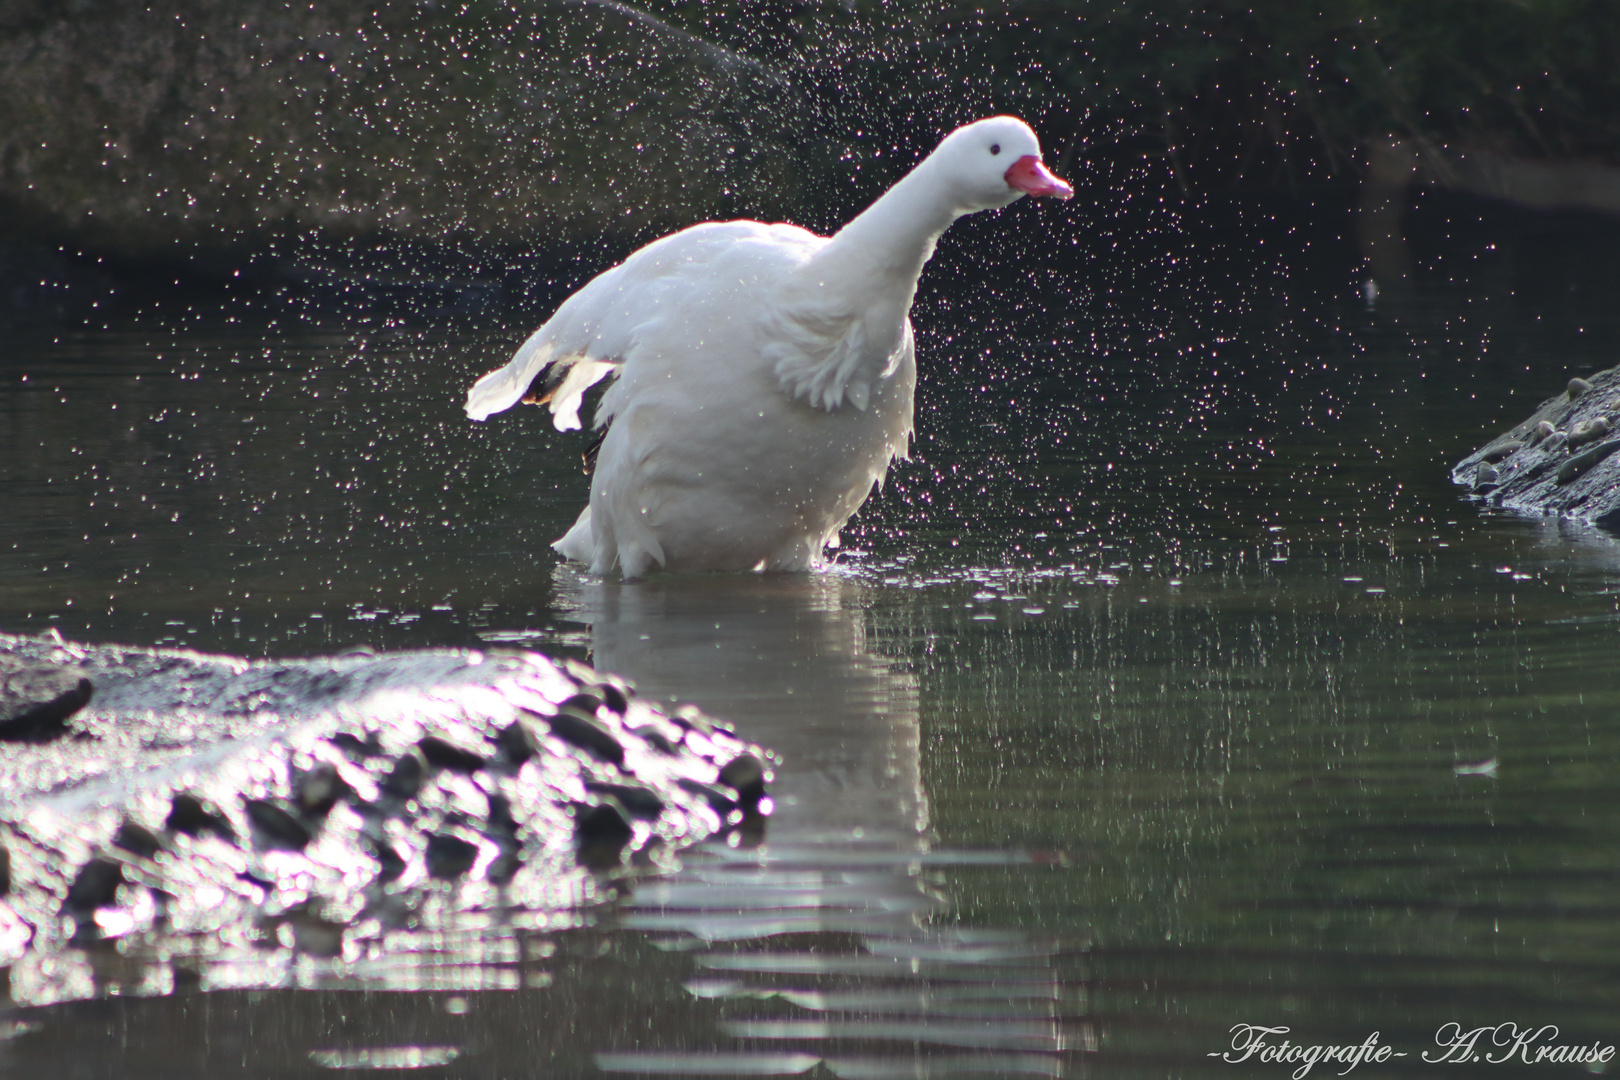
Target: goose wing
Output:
{"points": [[601, 327]]}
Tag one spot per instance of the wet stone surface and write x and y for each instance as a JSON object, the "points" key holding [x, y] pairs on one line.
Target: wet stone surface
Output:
{"points": [[1560, 460], [222, 811]]}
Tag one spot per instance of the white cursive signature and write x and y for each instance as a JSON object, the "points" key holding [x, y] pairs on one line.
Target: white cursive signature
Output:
{"points": [[1497, 1043], [1252, 1042]]}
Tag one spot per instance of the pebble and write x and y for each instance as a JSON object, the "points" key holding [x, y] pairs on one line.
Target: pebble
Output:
{"points": [[614, 698], [721, 800], [747, 775], [190, 815], [1583, 462], [519, 741], [587, 733], [138, 839], [449, 856], [1577, 387], [1543, 430], [604, 825], [277, 828], [96, 885], [637, 800], [447, 755], [1506, 450], [320, 789], [1587, 431], [404, 780]]}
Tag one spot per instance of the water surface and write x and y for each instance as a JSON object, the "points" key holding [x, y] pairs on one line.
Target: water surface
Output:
{"points": [[1169, 686]]}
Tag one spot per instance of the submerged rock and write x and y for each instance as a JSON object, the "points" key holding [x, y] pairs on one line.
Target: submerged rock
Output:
{"points": [[208, 803], [1560, 460]]}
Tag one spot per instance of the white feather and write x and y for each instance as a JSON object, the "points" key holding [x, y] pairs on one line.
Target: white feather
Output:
{"points": [[734, 348]]}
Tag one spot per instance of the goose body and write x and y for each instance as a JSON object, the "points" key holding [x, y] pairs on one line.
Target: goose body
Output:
{"points": [[763, 374]]}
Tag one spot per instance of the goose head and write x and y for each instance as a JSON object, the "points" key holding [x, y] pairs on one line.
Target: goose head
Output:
{"points": [[992, 162]]}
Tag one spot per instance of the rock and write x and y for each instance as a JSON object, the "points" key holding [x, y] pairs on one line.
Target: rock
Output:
{"points": [[519, 741], [190, 815], [1548, 465], [95, 885], [137, 839], [605, 825], [586, 732], [722, 800], [37, 699], [747, 775], [319, 789], [447, 755], [450, 856], [1586, 431], [325, 765], [404, 780], [213, 129], [275, 827], [638, 800], [614, 697], [1581, 463]]}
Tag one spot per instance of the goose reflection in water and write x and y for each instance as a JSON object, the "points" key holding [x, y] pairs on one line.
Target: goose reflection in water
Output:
{"points": [[828, 935]]}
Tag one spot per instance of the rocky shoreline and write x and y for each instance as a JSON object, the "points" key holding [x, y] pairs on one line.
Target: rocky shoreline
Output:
{"points": [[1560, 460], [209, 807]]}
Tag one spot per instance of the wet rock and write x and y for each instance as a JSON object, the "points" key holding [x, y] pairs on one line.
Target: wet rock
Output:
{"points": [[519, 741], [614, 698], [722, 800], [1504, 450], [353, 746], [1586, 431], [265, 757], [95, 885], [391, 864], [320, 789], [276, 828], [315, 934], [447, 755], [586, 732], [501, 820], [1581, 463], [586, 702], [605, 825], [637, 800], [37, 699], [193, 816], [1548, 465], [746, 774], [656, 739], [137, 839], [449, 856], [404, 780]]}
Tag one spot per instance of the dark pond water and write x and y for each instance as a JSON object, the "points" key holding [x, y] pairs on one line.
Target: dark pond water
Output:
{"points": [[1169, 687]]}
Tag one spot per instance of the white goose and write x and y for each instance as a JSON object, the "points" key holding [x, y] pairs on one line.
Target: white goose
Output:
{"points": [[765, 374]]}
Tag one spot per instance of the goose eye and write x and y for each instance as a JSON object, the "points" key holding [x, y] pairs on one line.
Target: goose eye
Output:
{"points": [[995, 148]]}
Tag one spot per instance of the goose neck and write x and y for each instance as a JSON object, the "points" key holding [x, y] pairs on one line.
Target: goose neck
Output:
{"points": [[886, 246]]}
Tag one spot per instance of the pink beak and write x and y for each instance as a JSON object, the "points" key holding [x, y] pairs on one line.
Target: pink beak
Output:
{"points": [[1032, 178]]}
